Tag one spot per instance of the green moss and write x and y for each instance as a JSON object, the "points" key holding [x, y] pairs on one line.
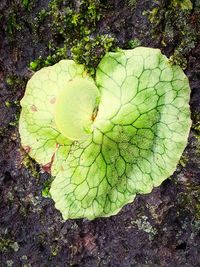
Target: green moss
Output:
{"points": [[133, 43], [15, 17], [55, 249], [42, 14], [183, 160], [34, 65], [25, 3], [13, 24], [75, 22], [196, 131], [18, 17], [190, 199], [91, 49], [30, 164], [183, 4], [56, 55], [76, 26], [14, 81], [182, 33], [46, 188], [197, 208], [196, 124], [10, 80], [132, 3], [8, 104], [178, 59], [152, 15]]}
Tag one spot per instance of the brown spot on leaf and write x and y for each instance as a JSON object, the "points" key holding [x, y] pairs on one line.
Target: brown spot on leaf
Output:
{"points": [[62, 169], [93, 117], [34, 108], [47, 166], [53, 100], [94, 114]]}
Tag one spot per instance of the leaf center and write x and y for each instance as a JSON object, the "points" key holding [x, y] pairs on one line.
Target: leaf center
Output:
{"points": [[76, 108]]}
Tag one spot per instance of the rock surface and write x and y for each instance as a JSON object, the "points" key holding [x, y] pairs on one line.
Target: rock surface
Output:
{"points": [[158, 229]]}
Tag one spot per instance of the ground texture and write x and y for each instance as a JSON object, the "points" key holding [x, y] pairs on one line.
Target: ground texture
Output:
{"points": [[158, 229]]}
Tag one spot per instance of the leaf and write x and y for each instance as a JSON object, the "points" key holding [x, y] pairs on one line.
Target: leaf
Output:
{"points": [[138, 134], [75, 107], [39, 134]]}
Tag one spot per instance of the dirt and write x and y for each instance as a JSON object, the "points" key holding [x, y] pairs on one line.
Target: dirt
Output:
{"points": [[158, 229]]}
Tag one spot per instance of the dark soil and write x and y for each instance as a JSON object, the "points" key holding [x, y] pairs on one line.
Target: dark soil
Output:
{"points": [[158, 229]]}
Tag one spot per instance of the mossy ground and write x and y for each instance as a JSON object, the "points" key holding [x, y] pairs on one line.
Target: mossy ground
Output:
{"points": [[159, 229]]}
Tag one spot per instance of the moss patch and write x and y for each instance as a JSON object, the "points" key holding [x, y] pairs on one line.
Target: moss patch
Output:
{"points": [[178, 25], [75, 27]]}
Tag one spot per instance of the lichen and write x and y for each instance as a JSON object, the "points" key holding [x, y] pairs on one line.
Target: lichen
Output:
{"points": [[144, 225], [6, 244]]}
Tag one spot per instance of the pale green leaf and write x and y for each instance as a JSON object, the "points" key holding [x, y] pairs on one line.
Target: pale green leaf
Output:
{"points": [[134, 142]]}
